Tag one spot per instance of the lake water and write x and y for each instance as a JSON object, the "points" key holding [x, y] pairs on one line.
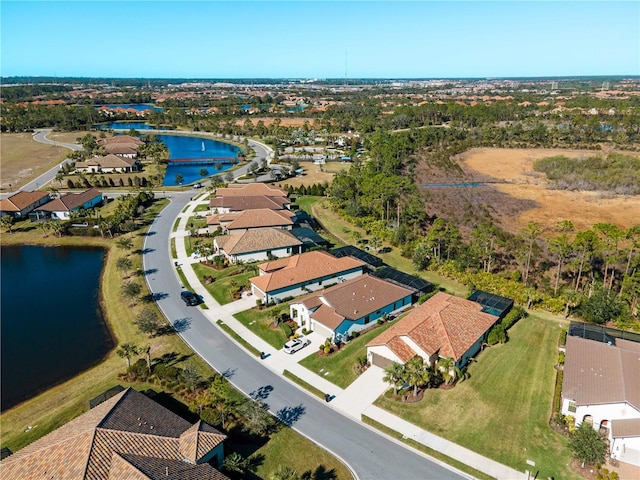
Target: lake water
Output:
{"points": [[129, 126], [52, 324], [140, 107], [182, 147]]}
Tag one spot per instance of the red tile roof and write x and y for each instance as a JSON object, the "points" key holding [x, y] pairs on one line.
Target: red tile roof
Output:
{"points": [[444, 324], [306, 267], [21, 200], [70, 201], [236, 204]]}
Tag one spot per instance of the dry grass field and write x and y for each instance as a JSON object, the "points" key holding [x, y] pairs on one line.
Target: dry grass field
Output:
{"points": [[313, 174], [22, 159], [516, 167]]}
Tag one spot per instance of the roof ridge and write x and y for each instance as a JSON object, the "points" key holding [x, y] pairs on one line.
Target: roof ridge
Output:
{"points": [[124, 394], [89, 450]]}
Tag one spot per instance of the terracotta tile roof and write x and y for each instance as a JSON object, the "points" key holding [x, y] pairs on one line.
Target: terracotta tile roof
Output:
{"points": [[262, 217], [237, 204], [306, 267], [70, 201], [629, 427], [87, 448], [401, 349], [107, 161], [249, 190], [597, 373], [121, 139], [353, 299], [256, 240], [444, 324], [122, 149], [21, 200]]}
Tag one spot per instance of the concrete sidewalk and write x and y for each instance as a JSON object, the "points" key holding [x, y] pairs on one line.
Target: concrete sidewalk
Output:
{"points": [[353, 401]]}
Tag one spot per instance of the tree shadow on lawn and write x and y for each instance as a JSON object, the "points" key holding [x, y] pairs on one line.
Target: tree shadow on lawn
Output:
{"points": [[154, 297], [320, 473], [171, 358]]}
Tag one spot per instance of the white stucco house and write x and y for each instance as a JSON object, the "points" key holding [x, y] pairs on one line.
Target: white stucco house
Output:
{"points": [[601, 386]]}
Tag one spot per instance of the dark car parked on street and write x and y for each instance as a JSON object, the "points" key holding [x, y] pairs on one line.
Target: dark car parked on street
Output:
{"points": [[190, 298]]}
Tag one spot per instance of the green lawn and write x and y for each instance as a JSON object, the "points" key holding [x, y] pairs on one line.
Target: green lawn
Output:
{"points": [[340, 364], [286, 448], [202, 207], [220, 289], [502, 410], [258, 322]]}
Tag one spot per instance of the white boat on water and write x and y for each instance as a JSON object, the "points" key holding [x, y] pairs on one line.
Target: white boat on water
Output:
{"points": [[203, 146]]}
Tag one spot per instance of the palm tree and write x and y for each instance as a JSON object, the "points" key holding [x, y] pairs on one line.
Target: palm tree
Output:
{"points": [[284, 473], [449, 370], [417, 374], [235, 463], [126, 351], [394, 375], [6, 222]]}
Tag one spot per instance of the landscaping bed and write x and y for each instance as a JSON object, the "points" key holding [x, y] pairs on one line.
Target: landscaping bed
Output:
{"points": [[224, 284]]}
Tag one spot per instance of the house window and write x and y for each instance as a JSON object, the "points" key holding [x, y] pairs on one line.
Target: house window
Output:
{"points": [[572, 407], [288, 249], [366, 319], [294, 313]]}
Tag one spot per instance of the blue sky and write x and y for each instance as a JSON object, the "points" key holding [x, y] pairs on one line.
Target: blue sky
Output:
{"points": [[313, 39]]}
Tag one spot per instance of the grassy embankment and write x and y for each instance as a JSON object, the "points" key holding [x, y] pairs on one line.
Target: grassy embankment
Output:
{"points": [[61, 403], [502, 411]]}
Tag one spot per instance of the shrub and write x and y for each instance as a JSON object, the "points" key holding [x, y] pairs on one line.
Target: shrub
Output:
{"points": [[70, 184], [561, 358], [286, 329], [258, 302], [286, 299], [139, 370], [563, 337], [327, 350], [380, 321], [513, 316], [427, 296], [497, 335]]}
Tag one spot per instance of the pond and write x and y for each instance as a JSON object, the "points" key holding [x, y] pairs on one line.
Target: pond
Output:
{"points": [[130, 125], [52, 323], [210, 155]]}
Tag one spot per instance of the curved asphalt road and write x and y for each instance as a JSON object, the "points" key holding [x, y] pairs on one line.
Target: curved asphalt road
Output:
{"points": [[370, 455]]}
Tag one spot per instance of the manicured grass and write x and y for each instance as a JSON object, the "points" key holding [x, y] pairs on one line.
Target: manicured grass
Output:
{"points": [[175, 225], [258, 322], [423, 448], [203, 207], [307, 386], [286, 447], [238, 338], [196, 222], [340, 364], [220, 289], [174, 253], [502, 410]]}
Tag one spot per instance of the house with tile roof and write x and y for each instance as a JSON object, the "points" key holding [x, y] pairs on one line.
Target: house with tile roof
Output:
{"points": [[60, 208], [349, 307], [601, 386], [240, 222], [20, 204], [257, 245], [443, 326], [294, 276], [249, 190], [238, 204], [109, 164], [127, 436]]}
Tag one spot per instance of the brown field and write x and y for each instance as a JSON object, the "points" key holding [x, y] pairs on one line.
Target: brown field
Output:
{"points": [[313, 174], [516, 166], [22, 159]]}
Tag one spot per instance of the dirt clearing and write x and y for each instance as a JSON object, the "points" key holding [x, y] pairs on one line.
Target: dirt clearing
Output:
{"points": [[22, 159]]}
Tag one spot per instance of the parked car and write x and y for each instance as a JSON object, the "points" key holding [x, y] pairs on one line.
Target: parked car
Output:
{"points": [[292, 346], [190, 298], [197, 185]]}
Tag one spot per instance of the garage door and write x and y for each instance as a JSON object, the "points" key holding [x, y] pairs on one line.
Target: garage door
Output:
{"points": [[322, 330], [380, 361]]}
